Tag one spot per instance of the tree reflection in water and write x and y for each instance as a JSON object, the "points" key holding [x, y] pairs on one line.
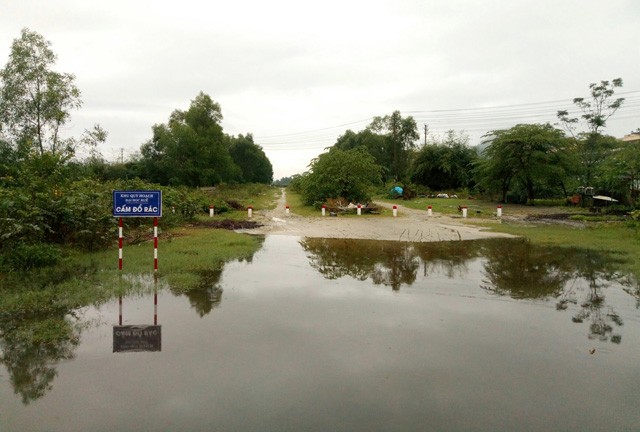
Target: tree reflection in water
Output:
{"points": [[386, 262], [32, 347], [514, 268], [594, 272], [520, 270], [206, 294], [38, 329]]}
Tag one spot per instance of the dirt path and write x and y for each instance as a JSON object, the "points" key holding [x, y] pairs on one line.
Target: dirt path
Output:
{"points": [[410, 225]]}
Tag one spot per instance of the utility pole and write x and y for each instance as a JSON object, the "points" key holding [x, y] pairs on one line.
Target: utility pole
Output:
{"points": [[426, 131]]}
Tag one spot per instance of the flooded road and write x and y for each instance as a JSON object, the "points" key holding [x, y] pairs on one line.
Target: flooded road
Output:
{"points": [[352, 335]]}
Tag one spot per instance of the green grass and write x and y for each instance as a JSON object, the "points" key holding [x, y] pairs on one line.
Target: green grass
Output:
{"points": [[478, 208], [620, 238], [92, 278], [259, 196]]}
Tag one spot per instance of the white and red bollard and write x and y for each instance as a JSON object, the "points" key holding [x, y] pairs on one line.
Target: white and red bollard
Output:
{"points": [[211, 210], [464, 211], [324, 210], [429, 211], [359, 209], [395, 210], [249, 212], [286, 209], [499, 211]]}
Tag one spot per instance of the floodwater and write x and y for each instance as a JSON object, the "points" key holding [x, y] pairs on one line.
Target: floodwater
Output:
{"points": [[346, 335]]}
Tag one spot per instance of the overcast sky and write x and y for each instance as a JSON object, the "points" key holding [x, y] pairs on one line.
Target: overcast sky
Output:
{"points": [[297, 74]]}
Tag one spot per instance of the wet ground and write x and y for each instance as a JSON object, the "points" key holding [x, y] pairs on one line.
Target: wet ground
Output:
{"points": [[349, 335]]}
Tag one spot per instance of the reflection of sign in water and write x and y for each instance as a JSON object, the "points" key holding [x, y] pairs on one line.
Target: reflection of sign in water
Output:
{"points": [[136, 338], [137, 203]]}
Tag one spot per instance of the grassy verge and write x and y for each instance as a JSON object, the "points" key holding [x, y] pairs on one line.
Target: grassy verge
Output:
{"points": [[477, 208], [620, 238], [82, 279], [259, 196]]}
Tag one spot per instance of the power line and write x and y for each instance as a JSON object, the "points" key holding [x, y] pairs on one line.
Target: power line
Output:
{"points": [[475, 119]]}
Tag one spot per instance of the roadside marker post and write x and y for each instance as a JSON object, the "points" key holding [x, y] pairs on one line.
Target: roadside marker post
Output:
{"points": [[249, 212], [286, 209], [359, 209], [211, 210], [499, 211], [324, 210], [464, 212], [395, 210], [429, 211]]}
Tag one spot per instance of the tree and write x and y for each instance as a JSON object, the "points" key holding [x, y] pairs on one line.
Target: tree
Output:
{"points": [[599, 109], [35, 101], [376, 145], [621, 172], [401, 135], [528, 156], [445, 165], [591, 146], [190, 149], [251, 159], [340, 174]]}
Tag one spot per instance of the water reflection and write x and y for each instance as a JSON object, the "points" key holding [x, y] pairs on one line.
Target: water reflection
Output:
{"points": [[31, 348], [521, 270], [37, 334], [207, 293], [388, 263], [576, 278], [595, 272]]}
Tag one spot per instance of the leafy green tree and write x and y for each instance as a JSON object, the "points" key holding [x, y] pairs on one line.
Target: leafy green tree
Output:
{"points": [[35, 101], [592, 148], [376, 144], [340, 174], [527, 156], [251, 159], [621, 171], [401, 135], [445, 165], [190, 149]]}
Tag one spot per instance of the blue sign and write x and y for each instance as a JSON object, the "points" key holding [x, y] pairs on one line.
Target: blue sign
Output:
{"points": [[137, 203]]}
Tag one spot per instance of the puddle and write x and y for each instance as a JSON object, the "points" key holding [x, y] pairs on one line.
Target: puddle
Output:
{"points": [[331, 334]]}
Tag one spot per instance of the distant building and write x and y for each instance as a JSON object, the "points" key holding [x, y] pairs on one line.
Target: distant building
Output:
{"points": [[632, 137]]}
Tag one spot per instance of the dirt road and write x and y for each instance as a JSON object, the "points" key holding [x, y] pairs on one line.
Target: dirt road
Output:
{"points": [[409, 225]]}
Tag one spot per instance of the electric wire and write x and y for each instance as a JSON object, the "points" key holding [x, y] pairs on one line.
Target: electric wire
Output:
{"points": [[468, 120]]}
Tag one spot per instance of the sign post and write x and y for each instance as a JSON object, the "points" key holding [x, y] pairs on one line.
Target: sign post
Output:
{"points": [[138, 203]]}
